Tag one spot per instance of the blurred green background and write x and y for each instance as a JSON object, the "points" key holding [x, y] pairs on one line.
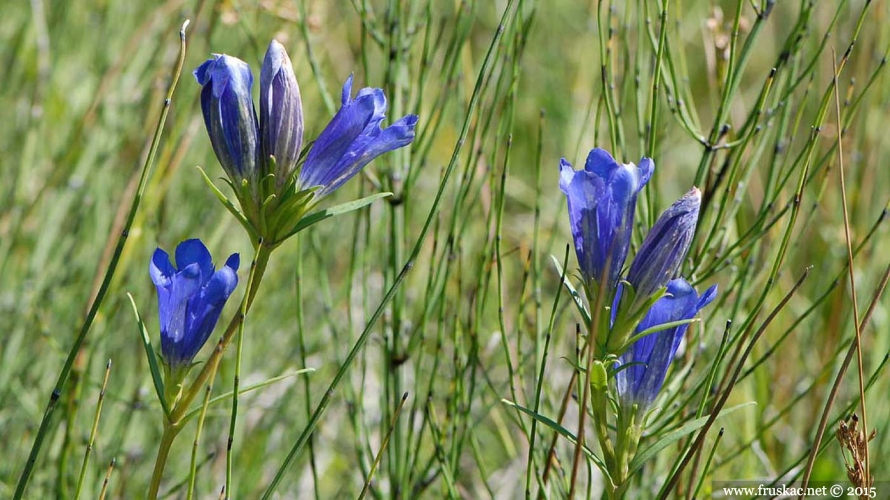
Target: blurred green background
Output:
{"points": [[81, 87]]}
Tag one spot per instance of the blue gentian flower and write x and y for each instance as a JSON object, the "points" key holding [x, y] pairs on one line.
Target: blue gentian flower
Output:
{"points": [[602, 199], [191, 297], [352, 139], [229, 115], [665, 246], [650, 356]]}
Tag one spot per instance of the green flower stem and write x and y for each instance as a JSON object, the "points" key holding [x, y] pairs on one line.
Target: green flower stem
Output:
{"points": [[170, 433], [629, 432], [599, 405]]}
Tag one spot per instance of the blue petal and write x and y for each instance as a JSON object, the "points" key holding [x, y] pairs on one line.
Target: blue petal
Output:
{"points": [[205, 307], [346, 92], [193, 251], [647, 166], [600, 162], [233, 262], [160, 269], [707, 297], [173, 312], [582, 197], [566, 174]]}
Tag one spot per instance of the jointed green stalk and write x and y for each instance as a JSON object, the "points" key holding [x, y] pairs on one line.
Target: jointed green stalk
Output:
{"points": [[236, 382], [193, 465], [363, 338], [106, 281]]}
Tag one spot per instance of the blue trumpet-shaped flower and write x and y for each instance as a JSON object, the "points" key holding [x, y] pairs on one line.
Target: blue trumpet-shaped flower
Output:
{"points": [[650, 356], [665, 246], [352, 139], [191, 297], [602, 199]]}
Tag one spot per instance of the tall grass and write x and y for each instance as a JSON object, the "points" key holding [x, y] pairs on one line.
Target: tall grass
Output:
{"points": [[444, 346]]}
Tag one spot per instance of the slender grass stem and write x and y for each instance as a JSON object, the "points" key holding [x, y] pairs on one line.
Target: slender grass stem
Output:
{"points": [[848, 239], [93, 432], [193, 464], [363, 338], [383, 445], [106, 281], [236, 382]]}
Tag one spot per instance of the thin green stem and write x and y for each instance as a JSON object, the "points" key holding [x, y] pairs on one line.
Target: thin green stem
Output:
{"points": [[656, 80], [93, 432], [167, 438], [236, 382], [193, 465]]}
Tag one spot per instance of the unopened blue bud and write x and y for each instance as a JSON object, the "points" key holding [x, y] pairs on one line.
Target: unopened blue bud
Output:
{"points": [[665, 246]]}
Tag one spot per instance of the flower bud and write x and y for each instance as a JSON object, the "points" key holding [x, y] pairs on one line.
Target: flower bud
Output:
{"points": [[665, 247], [281, 113], [650, 356], [229, 114]]}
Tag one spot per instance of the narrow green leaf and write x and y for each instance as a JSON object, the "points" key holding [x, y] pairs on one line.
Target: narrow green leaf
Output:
{"points": [[229, 205], [658, 328], [562, 431], [244, 390], [334, 211], [674, 436], [152, 358], [576, 297]]}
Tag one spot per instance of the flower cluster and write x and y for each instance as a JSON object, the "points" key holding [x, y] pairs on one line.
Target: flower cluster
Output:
{"points": [[262, 157], [601, 202], [275, 185]]}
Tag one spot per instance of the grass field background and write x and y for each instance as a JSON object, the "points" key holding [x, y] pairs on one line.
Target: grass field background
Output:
{"points": [[744, 107]]}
